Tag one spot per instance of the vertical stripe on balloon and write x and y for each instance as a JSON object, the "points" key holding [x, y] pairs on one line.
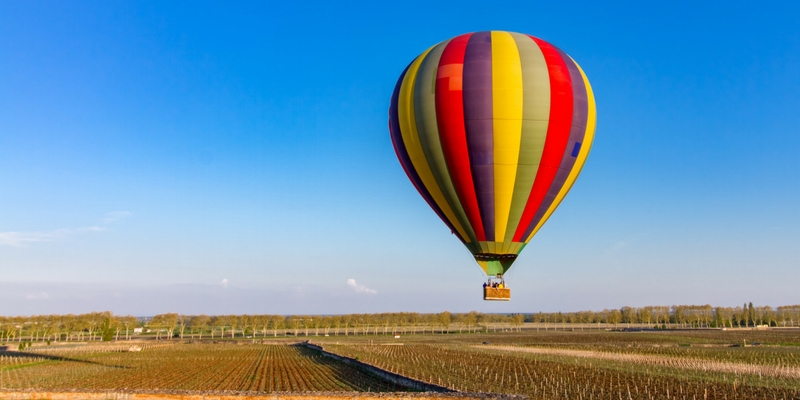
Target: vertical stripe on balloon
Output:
{"points": [[408, 128], [535, 114], [558, 131], [507, 98], [452, 131], [477, 93], [425, 112], [577, 131], [583, 153], [402, 154]]}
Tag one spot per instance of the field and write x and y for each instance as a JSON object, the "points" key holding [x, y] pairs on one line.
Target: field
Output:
{"points": [[598, 365], [194, 367], [701, 364]]}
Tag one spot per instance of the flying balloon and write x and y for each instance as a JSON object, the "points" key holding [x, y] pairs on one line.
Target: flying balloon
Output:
{"points": [[492, 129]]}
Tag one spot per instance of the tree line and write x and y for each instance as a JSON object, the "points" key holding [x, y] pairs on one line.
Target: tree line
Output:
{"points": [[107, 326], [683, 316]]}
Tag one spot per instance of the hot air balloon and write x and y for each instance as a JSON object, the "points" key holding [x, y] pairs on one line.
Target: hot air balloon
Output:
{"points": [[493, 128]]}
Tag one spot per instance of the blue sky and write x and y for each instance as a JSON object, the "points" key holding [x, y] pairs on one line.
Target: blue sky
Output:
{"points": [[203, 157]]}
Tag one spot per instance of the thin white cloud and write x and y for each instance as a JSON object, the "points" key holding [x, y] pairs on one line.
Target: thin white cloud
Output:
{"points": [[17, 239], [115, 216], [224, 282], [37, 296], [20, 239], [360, 288]]}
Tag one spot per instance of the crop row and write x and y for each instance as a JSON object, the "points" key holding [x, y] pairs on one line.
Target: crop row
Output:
{"points": [[780, 357], [264, 368], [690, 363], [468, 369], [625, 339]]}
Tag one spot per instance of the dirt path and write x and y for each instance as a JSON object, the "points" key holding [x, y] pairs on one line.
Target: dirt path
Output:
{"points": [[662, 361]]}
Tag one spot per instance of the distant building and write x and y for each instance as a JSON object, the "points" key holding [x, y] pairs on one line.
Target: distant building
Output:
{"points": [[138, 330]]}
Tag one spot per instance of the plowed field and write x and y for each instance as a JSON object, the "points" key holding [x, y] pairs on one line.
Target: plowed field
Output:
{"points": [[201, 367], [594, 365]]}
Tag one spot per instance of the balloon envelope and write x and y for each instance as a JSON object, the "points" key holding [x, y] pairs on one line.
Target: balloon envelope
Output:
{"points": [[493, 128]]}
